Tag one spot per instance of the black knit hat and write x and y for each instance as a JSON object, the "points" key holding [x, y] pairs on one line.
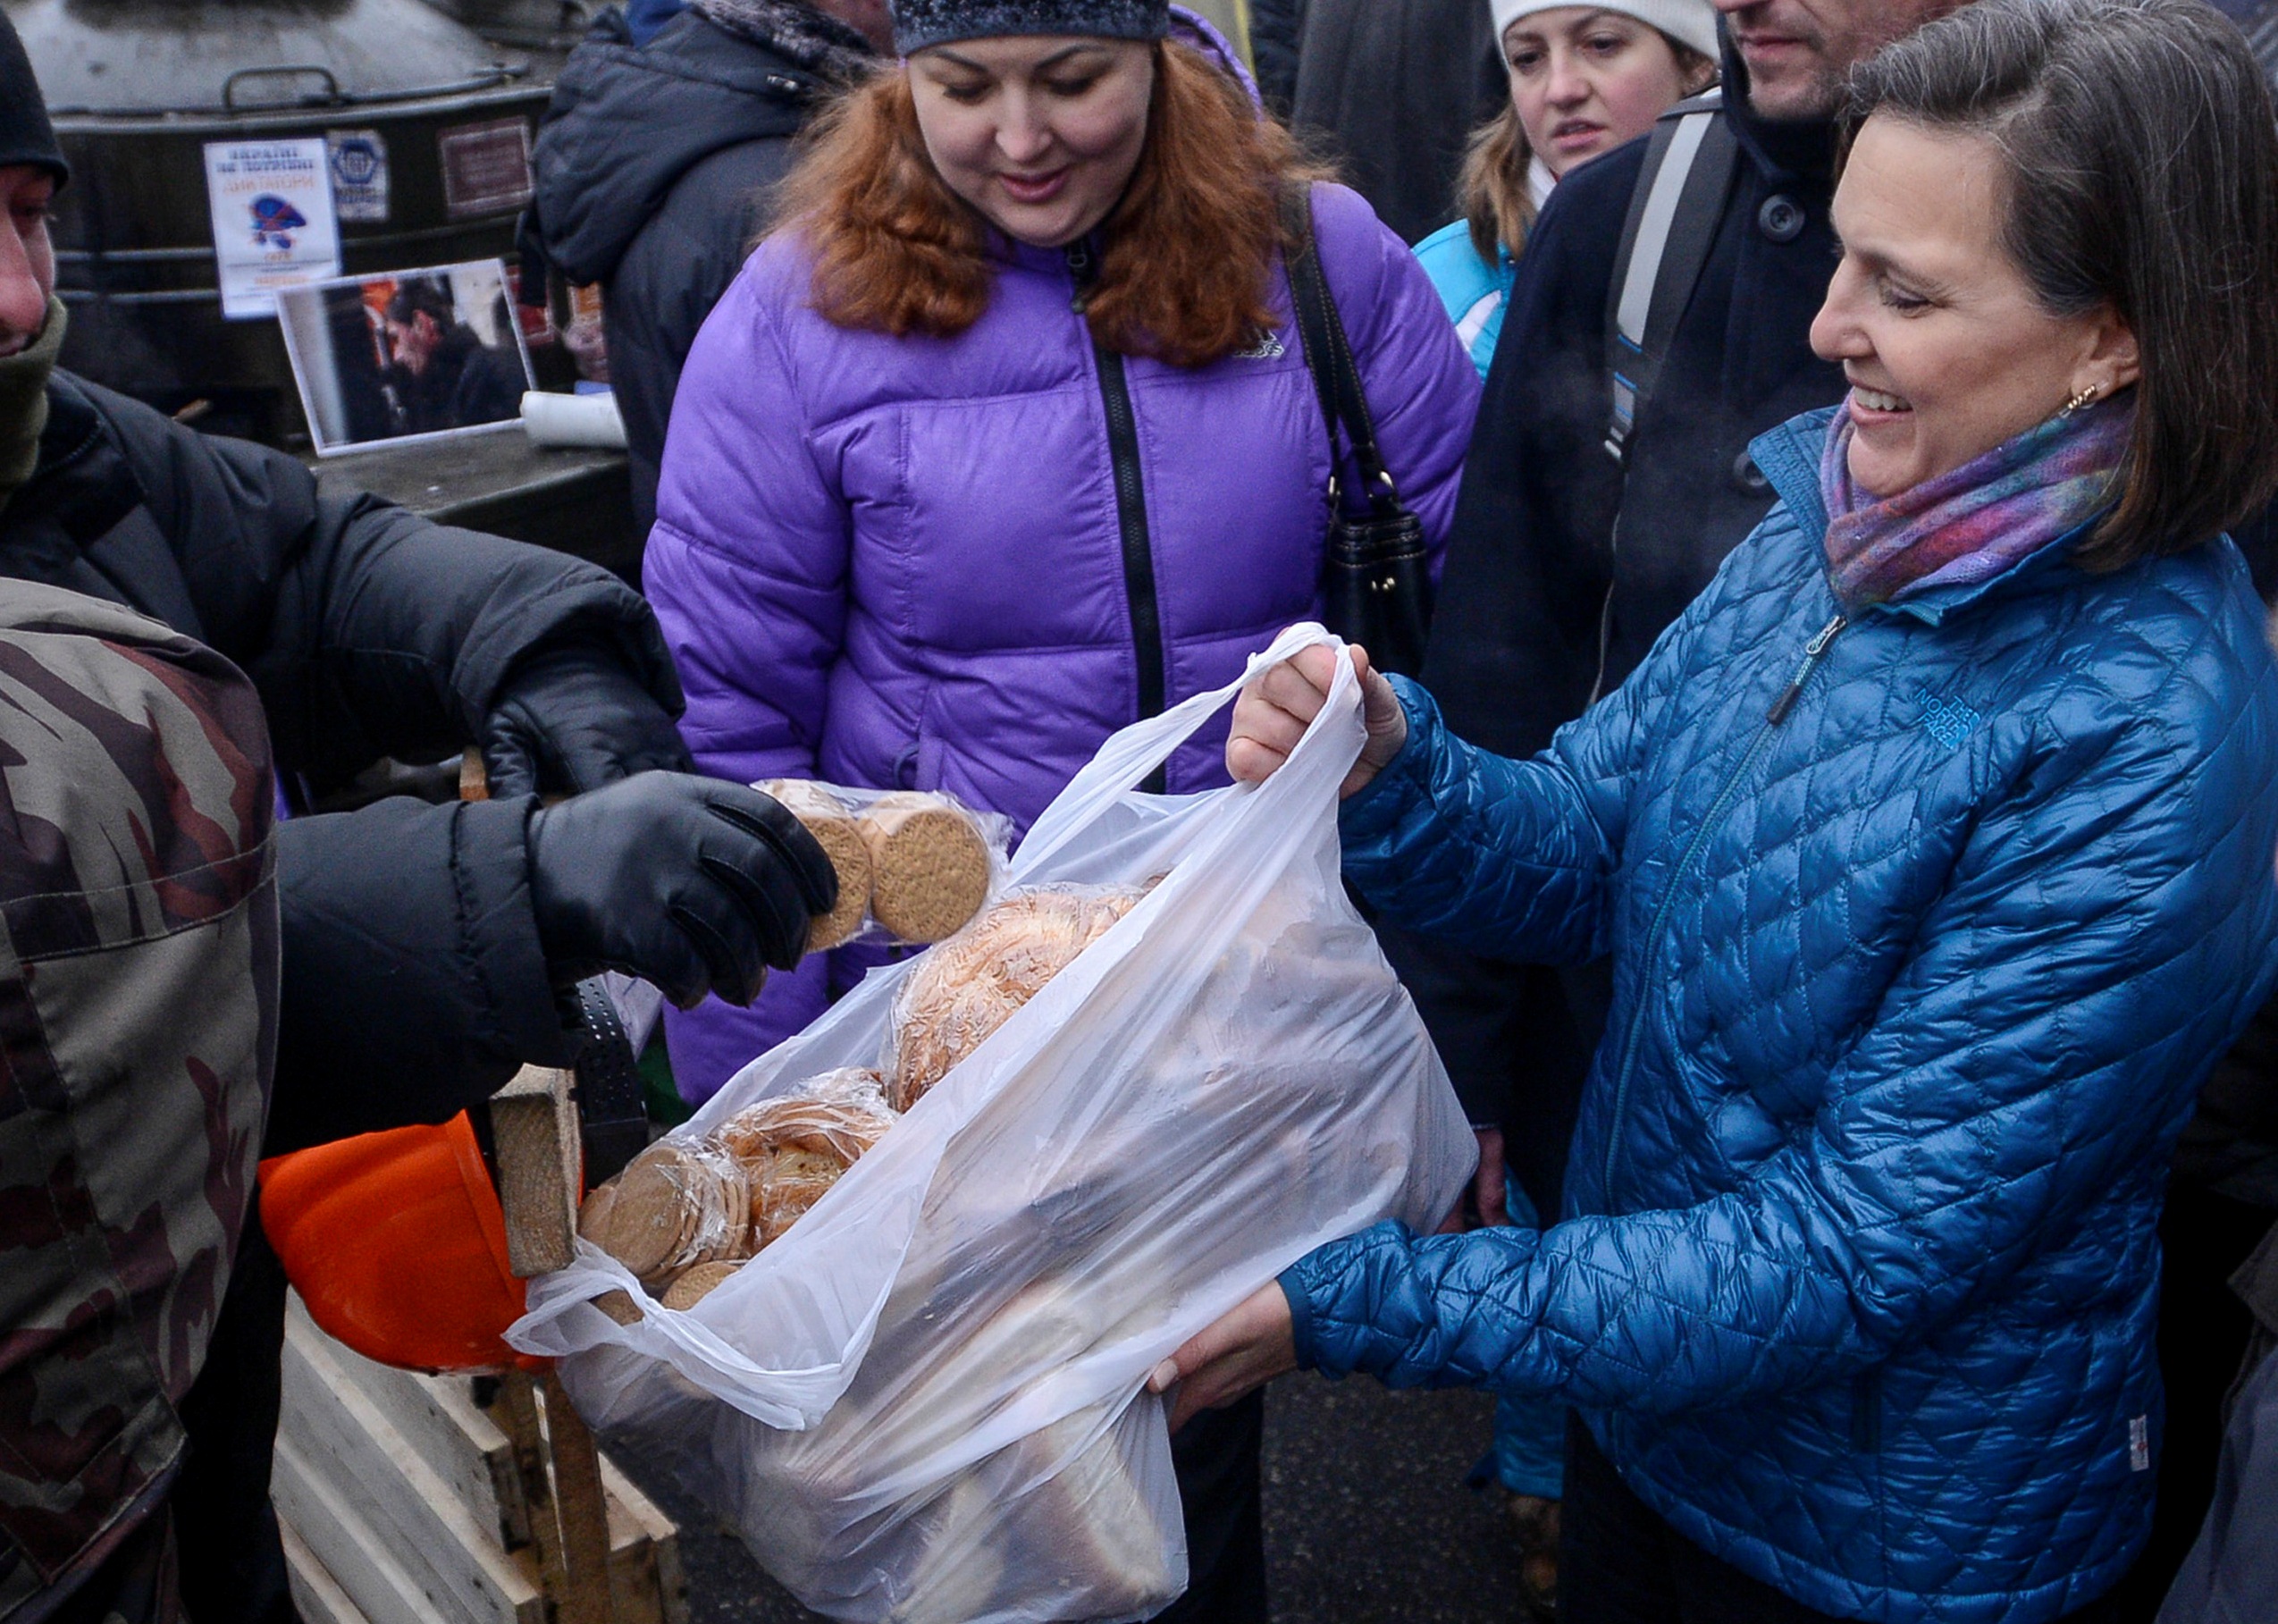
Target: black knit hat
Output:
{"points": [[26, 137], [919, 23]]}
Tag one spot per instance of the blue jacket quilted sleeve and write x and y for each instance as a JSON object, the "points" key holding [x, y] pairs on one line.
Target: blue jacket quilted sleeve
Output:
{"points": [[2008, 1055], [1508, 858]]}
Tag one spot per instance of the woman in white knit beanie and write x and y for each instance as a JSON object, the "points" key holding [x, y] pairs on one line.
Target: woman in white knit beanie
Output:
{"points": [[1583, 80]]}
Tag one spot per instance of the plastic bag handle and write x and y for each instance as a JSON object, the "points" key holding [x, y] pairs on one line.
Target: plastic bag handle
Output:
{"points": [[1126, 760]]}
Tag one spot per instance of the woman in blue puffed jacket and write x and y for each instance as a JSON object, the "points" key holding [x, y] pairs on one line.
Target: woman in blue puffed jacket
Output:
{"points": [[1932, 848]]}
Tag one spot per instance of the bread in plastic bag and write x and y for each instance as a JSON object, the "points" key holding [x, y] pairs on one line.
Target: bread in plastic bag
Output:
{"points": [[925, 1403], [969, 985], [793, 1148]]}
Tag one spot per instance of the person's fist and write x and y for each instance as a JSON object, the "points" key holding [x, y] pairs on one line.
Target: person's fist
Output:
{"points": [[695, 885], [1275, 709], [575, 719]]}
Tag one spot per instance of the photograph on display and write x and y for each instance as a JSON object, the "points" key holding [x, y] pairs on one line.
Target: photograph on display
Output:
{"points": [[406, 354]]}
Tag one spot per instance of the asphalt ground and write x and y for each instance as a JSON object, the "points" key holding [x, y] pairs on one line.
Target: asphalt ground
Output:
{"points": [[1367, 1517]]}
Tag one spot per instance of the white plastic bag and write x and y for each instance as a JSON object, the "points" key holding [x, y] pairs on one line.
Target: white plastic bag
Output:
{"points": [[924, 1403]]}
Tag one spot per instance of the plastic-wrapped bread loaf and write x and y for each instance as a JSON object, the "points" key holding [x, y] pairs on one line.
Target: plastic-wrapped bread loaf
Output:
{"points": [[835, 828], [793, 1148], [697, 1283], [677, 1203], [969, 985], [929, 865]]}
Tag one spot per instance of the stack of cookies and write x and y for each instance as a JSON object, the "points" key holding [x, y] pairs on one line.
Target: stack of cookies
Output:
{"points": [[686, 1212], [920, 865], [965, 989], [677, 1205]]}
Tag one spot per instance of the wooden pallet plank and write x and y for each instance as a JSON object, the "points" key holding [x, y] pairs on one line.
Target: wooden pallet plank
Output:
{"points": [[438, 1417], [315, 1592], [646, 1578], [515, 1407], [456, 1558], [583, 1509], [359, 1561], [629, 1506], [534, 1127]]}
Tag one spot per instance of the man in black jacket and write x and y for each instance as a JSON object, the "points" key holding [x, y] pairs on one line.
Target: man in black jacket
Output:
{"points": [[654, 169], [424, 948], [445, 376], [1537, 613]]}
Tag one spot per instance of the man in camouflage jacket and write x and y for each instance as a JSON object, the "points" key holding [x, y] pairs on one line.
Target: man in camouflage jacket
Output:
{"points": [[424, 948], [138, 986]]}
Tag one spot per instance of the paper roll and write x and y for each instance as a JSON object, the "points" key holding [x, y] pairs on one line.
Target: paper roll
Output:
{"points": [[573, 420]]}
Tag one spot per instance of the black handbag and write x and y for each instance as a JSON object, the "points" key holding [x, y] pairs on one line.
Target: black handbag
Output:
{"points": [[1375, 580]]}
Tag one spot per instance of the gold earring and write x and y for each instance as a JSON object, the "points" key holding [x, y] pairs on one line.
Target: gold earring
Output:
{"points": [[2084, 398]]}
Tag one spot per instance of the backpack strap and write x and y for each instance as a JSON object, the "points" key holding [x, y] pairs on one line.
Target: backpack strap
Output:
{"points": [[1674, 214]]}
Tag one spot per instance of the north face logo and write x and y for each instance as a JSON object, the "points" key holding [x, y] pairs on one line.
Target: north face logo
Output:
{"points": [[1948, 720], [1267, 347]]}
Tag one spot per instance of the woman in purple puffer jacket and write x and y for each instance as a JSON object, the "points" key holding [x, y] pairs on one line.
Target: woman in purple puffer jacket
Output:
{"points": [[1005, 439], [912, 559]]}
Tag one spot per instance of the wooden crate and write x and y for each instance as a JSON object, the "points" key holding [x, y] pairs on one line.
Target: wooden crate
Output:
{"points": [[414, 1499]]}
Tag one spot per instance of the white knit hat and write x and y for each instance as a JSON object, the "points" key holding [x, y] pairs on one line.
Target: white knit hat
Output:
{"points": [[1692, 23]]}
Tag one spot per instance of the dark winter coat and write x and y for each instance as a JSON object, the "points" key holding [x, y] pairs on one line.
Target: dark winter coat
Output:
{"points": [[1516, 644], [1916, 972], [1396, 87], [1275, 28], [2232, 1146], [653, 169], [414, 980], [2232, 1574]]}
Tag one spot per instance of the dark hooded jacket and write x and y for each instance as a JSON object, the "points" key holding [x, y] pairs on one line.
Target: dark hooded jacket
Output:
{"points": [[1394, 88], [653, 169]]}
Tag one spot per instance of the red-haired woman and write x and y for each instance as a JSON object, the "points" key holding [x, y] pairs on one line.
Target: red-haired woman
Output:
{"points": [[1006, 439]]}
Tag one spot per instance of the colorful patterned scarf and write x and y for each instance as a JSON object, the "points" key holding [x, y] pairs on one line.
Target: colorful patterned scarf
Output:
{"points": [[1976, 521]]}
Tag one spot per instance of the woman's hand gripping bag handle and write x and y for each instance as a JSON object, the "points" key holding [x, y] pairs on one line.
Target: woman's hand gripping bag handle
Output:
{"points": [[1228, 1078]]}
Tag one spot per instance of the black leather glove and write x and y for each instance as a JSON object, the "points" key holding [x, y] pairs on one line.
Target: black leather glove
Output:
{"points": [[574, 718], [690, 883]]}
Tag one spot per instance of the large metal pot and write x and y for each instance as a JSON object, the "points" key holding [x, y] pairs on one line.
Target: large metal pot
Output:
{"points": [[139, 87]]}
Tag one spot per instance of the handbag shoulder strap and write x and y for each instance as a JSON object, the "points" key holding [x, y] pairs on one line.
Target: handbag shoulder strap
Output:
{"points": [[1328, 353]]}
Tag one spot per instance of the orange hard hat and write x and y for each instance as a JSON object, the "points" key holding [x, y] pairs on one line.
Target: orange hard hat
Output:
{"points": [[397, 1243]]}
